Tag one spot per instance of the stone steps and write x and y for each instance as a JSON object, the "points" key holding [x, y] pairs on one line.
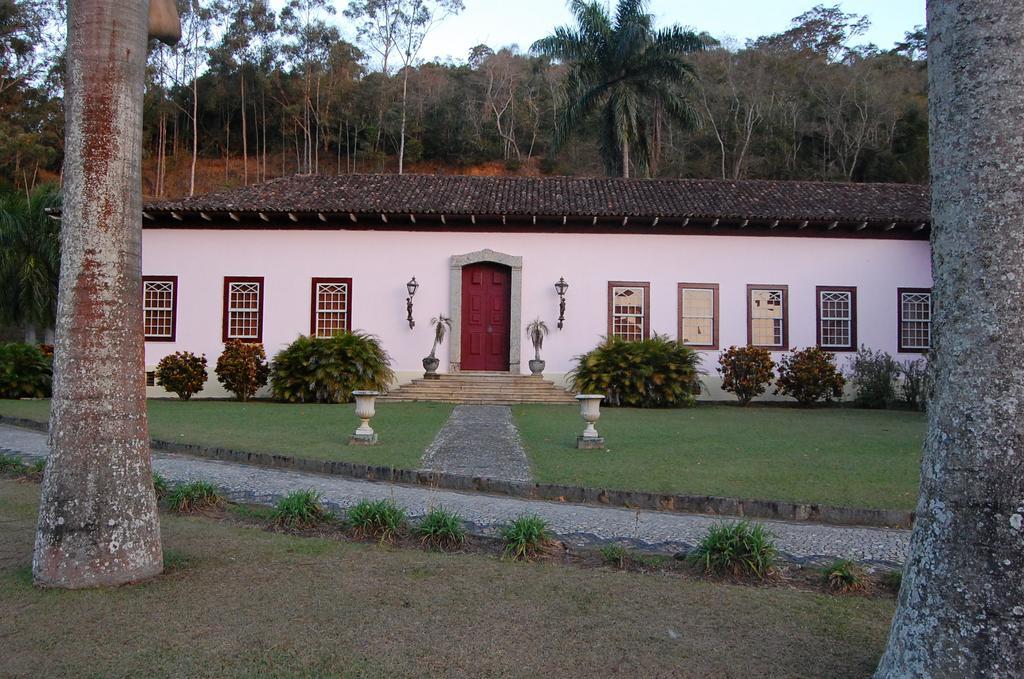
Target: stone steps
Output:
{"points": [[481, 389]]}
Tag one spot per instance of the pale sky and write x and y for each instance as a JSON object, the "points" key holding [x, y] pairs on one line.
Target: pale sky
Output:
{"points": [[499, 23]]}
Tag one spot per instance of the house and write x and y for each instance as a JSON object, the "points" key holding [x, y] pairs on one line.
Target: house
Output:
{"points": [[714, 263]]}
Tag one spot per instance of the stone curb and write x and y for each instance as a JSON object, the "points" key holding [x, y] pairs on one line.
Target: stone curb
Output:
{"points": [[688, 504]]}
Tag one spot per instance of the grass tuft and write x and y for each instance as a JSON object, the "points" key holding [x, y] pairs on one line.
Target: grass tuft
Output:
{"points": [[524, 537], [893, 580], [160, 485], [381, 519], [300, 509], [739, 549], [194, 497], [845, 576], [614, 555], [441, 529], [11, 464]]}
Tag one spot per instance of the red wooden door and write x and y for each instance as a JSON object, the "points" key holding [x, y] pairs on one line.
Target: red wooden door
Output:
{"points": [[486, 305]]}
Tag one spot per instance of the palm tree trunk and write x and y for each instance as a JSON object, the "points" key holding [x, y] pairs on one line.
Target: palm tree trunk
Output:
{"points": [[625, 159], [98, 521], [961, 608]]}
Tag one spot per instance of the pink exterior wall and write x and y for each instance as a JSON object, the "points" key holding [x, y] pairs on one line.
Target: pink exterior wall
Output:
{"points": [[381, 262]]}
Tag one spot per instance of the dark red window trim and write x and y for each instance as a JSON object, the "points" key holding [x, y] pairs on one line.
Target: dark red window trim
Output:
{"points": [[646, 285], [899, 320], [228, 280], [173, 280], [313, 300], [785, 316], [714, 325], [853, 315]]}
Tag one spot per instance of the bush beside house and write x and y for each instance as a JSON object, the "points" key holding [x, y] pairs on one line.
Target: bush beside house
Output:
{"points": [[183, 373], [652, 373], [242, 369], [25, 371], [329, 369], [810, 375], [746, 372]]}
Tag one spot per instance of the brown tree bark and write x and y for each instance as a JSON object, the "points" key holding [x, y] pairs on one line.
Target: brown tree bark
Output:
{"points": [[961, 609], [98, 522]]}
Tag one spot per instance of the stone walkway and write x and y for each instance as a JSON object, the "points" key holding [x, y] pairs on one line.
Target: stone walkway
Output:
{"points": [[576, 524], [479, 441]]}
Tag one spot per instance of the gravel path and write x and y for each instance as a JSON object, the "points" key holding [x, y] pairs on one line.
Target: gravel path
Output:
{"points": [[479, 441], [576, 524]]}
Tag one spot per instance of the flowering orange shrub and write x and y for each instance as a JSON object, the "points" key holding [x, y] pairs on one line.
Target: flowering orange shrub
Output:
{"points": [[182, 372], [242, 369], [745, 371], [810, 375]]}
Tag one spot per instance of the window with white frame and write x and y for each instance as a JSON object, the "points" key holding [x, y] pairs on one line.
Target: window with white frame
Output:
{"points": [[243, 309], [629, 306], [159, 301], [331, 303], [837, 321], [767, 321], [698, 314], [915, 331]]}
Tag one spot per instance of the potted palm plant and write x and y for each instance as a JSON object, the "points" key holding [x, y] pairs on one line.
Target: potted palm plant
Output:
{"points": [[442, 324], [537, 330]]}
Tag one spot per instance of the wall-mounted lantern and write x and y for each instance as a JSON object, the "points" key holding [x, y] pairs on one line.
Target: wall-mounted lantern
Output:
{"points": [[560, 287], [412, 286]]}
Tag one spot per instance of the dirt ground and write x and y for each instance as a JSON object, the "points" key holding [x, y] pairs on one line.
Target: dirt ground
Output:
{"points": [[240, 600]]}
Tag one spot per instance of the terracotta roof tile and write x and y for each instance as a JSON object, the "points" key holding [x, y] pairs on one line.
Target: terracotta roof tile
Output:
{"points": [[515, 196]]}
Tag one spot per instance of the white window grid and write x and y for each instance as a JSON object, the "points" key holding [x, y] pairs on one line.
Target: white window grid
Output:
{"points": [[158, 308], [916, 320], [628, 312], [244, 310], [766, 317], [836, 312], [331, 308], [698, 316]]}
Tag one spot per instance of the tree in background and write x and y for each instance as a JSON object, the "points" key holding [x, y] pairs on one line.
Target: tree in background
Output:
{"points": [[98, 522], [624, 70], [29, 260], [961, 606]]}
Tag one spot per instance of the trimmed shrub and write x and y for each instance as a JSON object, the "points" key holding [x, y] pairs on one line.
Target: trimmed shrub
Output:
{"points": [[746, 371], [914, 386], [845, 576], [809, 375], [242, 369], [441, 529], [194, 497], [874, 375], [329, 369], [25, 371], [183, 373], [300, 509], [738, 549], [381, 519], [524, 537], [652, 373]]}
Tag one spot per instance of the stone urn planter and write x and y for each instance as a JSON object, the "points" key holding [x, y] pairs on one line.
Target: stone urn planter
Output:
{"points": [[366, 402], [430, 365], [537, 331], [442, 324], [590, 411]]}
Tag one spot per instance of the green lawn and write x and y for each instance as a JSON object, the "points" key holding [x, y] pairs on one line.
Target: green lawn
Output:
{"points": [[242, 601], [313, 431], [837, 456]]}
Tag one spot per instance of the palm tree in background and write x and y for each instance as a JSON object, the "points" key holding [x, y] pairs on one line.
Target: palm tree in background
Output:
{"points": [[627, 72], [29, 260]]}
